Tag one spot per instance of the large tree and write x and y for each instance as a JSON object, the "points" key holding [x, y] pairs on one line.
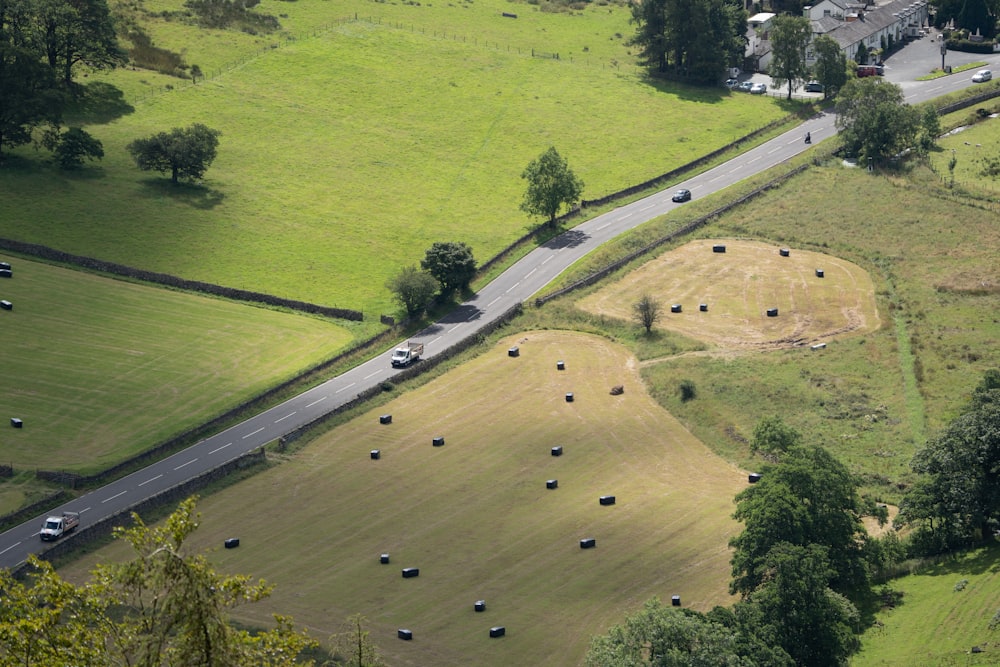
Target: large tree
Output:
{"points": [[164, 606], [873, 119], [961, 487], [184, 152], [690, 39], [808, 498], [28, 97], [661, 635], [794, 608], [451, 263], [790, 36], [831, 65], [551, 184], [71, 32]]}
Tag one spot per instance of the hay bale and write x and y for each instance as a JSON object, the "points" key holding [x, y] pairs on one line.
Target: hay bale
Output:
{"points": [[607, 500], [588, 543], [438, 441], [569, 397], [16, 423], [618, 390], [675, 600], [232, 543], [754, 477], [703, 307], [6, 305], [551, 483], [557, 450], [498, 631], [404, 634], [719, 248], [560, 365], [410, 572], [675, 308], [772, 312], [819, 273], [480, 605], [514, 352], [385, 419], [6, 273], [376, 454], [384, 559], [784, 252]]}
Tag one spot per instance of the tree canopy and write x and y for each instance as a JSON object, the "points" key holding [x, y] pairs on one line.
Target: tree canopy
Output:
{"points": [[163, 607], [873, 119], [959, 491], [831, 65], [413, 289], [694, 40], [452, 264], [808, 498], [551, 184], [184, 152], [789, 38]]}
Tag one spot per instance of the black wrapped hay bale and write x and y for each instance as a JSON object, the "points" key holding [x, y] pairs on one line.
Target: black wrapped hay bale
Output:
{"points": [[5, 266], [784, 252], [232, 543], [514, 352], [6, 305], [607, 500], [569, 397], [675, 308], [588, 543], [817, 346], [718, 248], [498, 631], [703, 307], [675, 601], [438, 441], [560, 365], [551, 483], [385, 419], [480, 605], [384, 559], [772, 312], [6, 273], [376, 454], [819, 273], [404, 634], [410, 572], [557, 451], [16, 423], [754, 477]]}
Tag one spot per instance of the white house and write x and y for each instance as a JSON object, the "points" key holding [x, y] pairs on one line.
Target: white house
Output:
{"points": [[854, 24]]}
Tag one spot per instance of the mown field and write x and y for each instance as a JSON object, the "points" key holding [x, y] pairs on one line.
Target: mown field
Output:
{"points": [[476, 518], [101, 369], [347, 151]]}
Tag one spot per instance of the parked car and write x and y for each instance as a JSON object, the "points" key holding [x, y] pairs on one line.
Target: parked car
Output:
{"points": [[814, 87], [982, 76], [745, 86], [758, 89], [732, 83], [681, 195]]}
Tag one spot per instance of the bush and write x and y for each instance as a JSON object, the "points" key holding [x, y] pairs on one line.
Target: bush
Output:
{"points": [[687, 390]]}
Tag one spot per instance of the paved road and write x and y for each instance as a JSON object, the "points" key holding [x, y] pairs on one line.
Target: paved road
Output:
{"points": [[515, 285]]}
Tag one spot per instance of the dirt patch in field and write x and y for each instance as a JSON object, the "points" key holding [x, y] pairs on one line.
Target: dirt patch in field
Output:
{"points": [[738, 287]]}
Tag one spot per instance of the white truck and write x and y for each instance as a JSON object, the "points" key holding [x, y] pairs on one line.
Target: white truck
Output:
{"points": [[406, 354], [57, 526]]}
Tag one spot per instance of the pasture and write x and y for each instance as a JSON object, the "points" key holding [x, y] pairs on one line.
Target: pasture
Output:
{"points": [[943, 611], [476, 518], [101, 369], [348, 150]]}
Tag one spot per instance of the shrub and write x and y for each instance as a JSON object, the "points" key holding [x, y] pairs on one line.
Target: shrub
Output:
{"points": [[687, 390]]}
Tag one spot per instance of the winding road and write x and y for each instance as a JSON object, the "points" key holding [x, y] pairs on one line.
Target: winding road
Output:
{"points": [[515, 285]]}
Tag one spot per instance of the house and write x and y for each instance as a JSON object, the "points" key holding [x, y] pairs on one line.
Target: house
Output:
{"points": [[869, 26], [758, 52]]}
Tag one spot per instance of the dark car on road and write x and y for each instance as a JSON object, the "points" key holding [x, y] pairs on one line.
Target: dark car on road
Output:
{"points": [[814, 87], [681, 195]]}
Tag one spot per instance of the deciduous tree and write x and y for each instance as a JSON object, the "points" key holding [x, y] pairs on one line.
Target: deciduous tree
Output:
{"points": [[551, 185], [647, 311], [831, 65], [413, 289], [452, 264], [873, 119], [808, 498], [790, 36], [184, 152], [28, 97], [73, 146], [773, 437]]}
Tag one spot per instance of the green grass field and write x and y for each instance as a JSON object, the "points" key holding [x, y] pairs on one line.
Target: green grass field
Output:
{"points": [[101, 369], [475, 515], [346, 153], [944, 611]]}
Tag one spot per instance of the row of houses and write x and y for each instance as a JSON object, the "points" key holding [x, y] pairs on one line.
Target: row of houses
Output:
{"points": [[852, 25]]}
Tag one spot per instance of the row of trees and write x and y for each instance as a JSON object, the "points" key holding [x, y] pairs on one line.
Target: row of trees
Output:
{"points": [[447, 267]]}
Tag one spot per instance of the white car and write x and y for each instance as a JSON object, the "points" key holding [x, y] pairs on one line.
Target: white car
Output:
{"points": [[982, 75], [758, 89]]}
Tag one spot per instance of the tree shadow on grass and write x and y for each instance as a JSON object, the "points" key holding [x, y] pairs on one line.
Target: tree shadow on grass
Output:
{"points": [[195, 195], [685, 91], [980, 561], [97, 103]]}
